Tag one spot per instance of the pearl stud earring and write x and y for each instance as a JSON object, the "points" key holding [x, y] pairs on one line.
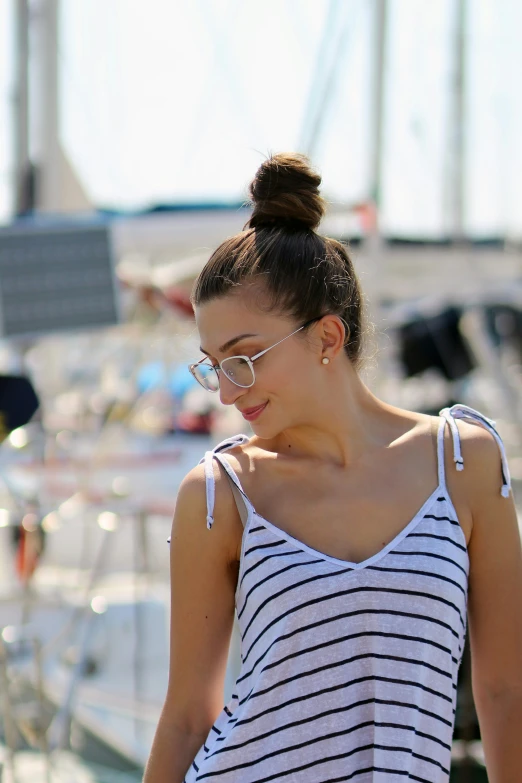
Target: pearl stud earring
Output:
{"points": [[326, 360]]}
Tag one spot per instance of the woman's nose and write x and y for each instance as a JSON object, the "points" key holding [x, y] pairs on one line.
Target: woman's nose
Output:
{"points": [[229, 392]]}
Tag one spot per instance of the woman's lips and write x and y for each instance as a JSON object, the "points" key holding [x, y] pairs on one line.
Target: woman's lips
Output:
{"points": [[252, 413]]}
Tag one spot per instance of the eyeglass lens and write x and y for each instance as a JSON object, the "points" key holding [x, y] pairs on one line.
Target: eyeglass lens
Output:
{"points": [[238, 371], [235, 368], [207, 376]]}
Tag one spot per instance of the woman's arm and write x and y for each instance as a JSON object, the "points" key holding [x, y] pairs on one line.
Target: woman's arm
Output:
{"points": [[203, 581], [494, 608], [172, 751]]}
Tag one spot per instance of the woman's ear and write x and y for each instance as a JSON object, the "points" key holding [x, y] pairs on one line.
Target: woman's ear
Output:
{"points": [[332, 335]]}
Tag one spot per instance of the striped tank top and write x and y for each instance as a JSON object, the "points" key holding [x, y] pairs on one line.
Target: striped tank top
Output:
{"points": [[348, 670]]}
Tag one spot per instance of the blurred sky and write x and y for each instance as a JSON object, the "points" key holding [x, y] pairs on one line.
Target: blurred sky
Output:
{"points": [[179, 100]]}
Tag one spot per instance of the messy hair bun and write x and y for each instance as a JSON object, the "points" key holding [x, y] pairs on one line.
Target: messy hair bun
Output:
{"points": [[285, 191]]}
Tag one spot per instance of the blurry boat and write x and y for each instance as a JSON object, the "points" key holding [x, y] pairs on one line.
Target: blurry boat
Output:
{"points": [[97, 601], [104, 669]]}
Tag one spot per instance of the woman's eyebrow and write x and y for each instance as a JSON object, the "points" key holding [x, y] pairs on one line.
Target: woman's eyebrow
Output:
{"points": [[230, 343]]}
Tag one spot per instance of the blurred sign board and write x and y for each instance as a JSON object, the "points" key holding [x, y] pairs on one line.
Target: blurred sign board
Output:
{"points": [[56, 277]]}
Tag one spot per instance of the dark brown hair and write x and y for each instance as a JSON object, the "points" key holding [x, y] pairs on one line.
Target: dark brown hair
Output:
{"points": [[295, 271]]}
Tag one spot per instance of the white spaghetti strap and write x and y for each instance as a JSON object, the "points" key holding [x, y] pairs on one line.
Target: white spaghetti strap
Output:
{"points": [[440, 452], [460, 411], [208, 459]]}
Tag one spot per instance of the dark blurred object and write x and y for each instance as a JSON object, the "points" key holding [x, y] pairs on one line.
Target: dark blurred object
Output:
{"points": [[435, 411], [435, 342], [27, 189], [467, 729], [18, 403], [504, 323]]}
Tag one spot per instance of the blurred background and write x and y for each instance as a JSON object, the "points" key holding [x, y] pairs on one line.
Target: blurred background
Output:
{"points": [[128, 134]]}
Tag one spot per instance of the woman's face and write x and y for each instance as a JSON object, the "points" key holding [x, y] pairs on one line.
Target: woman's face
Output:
{"points": [[285, 377]]}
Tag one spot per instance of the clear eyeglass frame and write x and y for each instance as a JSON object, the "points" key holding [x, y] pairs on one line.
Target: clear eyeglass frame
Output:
{"points": [[242, 367]]}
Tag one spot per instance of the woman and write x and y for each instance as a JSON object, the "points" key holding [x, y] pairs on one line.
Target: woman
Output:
{"points": [[340, 531]]}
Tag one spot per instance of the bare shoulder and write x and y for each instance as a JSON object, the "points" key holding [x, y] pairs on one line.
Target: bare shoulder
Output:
{"points": [[481, 477], [191, 514]]}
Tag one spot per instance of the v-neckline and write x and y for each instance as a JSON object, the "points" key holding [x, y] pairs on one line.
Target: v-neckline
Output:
{"points": [[437, 492]]}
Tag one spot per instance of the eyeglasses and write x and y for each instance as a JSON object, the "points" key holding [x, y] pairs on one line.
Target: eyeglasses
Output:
{"points": [[238, 369]]}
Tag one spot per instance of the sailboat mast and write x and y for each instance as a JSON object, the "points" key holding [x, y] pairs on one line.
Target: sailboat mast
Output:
{"points": [[378, 92], [44, 179], [23, 195], [459, 118]]}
